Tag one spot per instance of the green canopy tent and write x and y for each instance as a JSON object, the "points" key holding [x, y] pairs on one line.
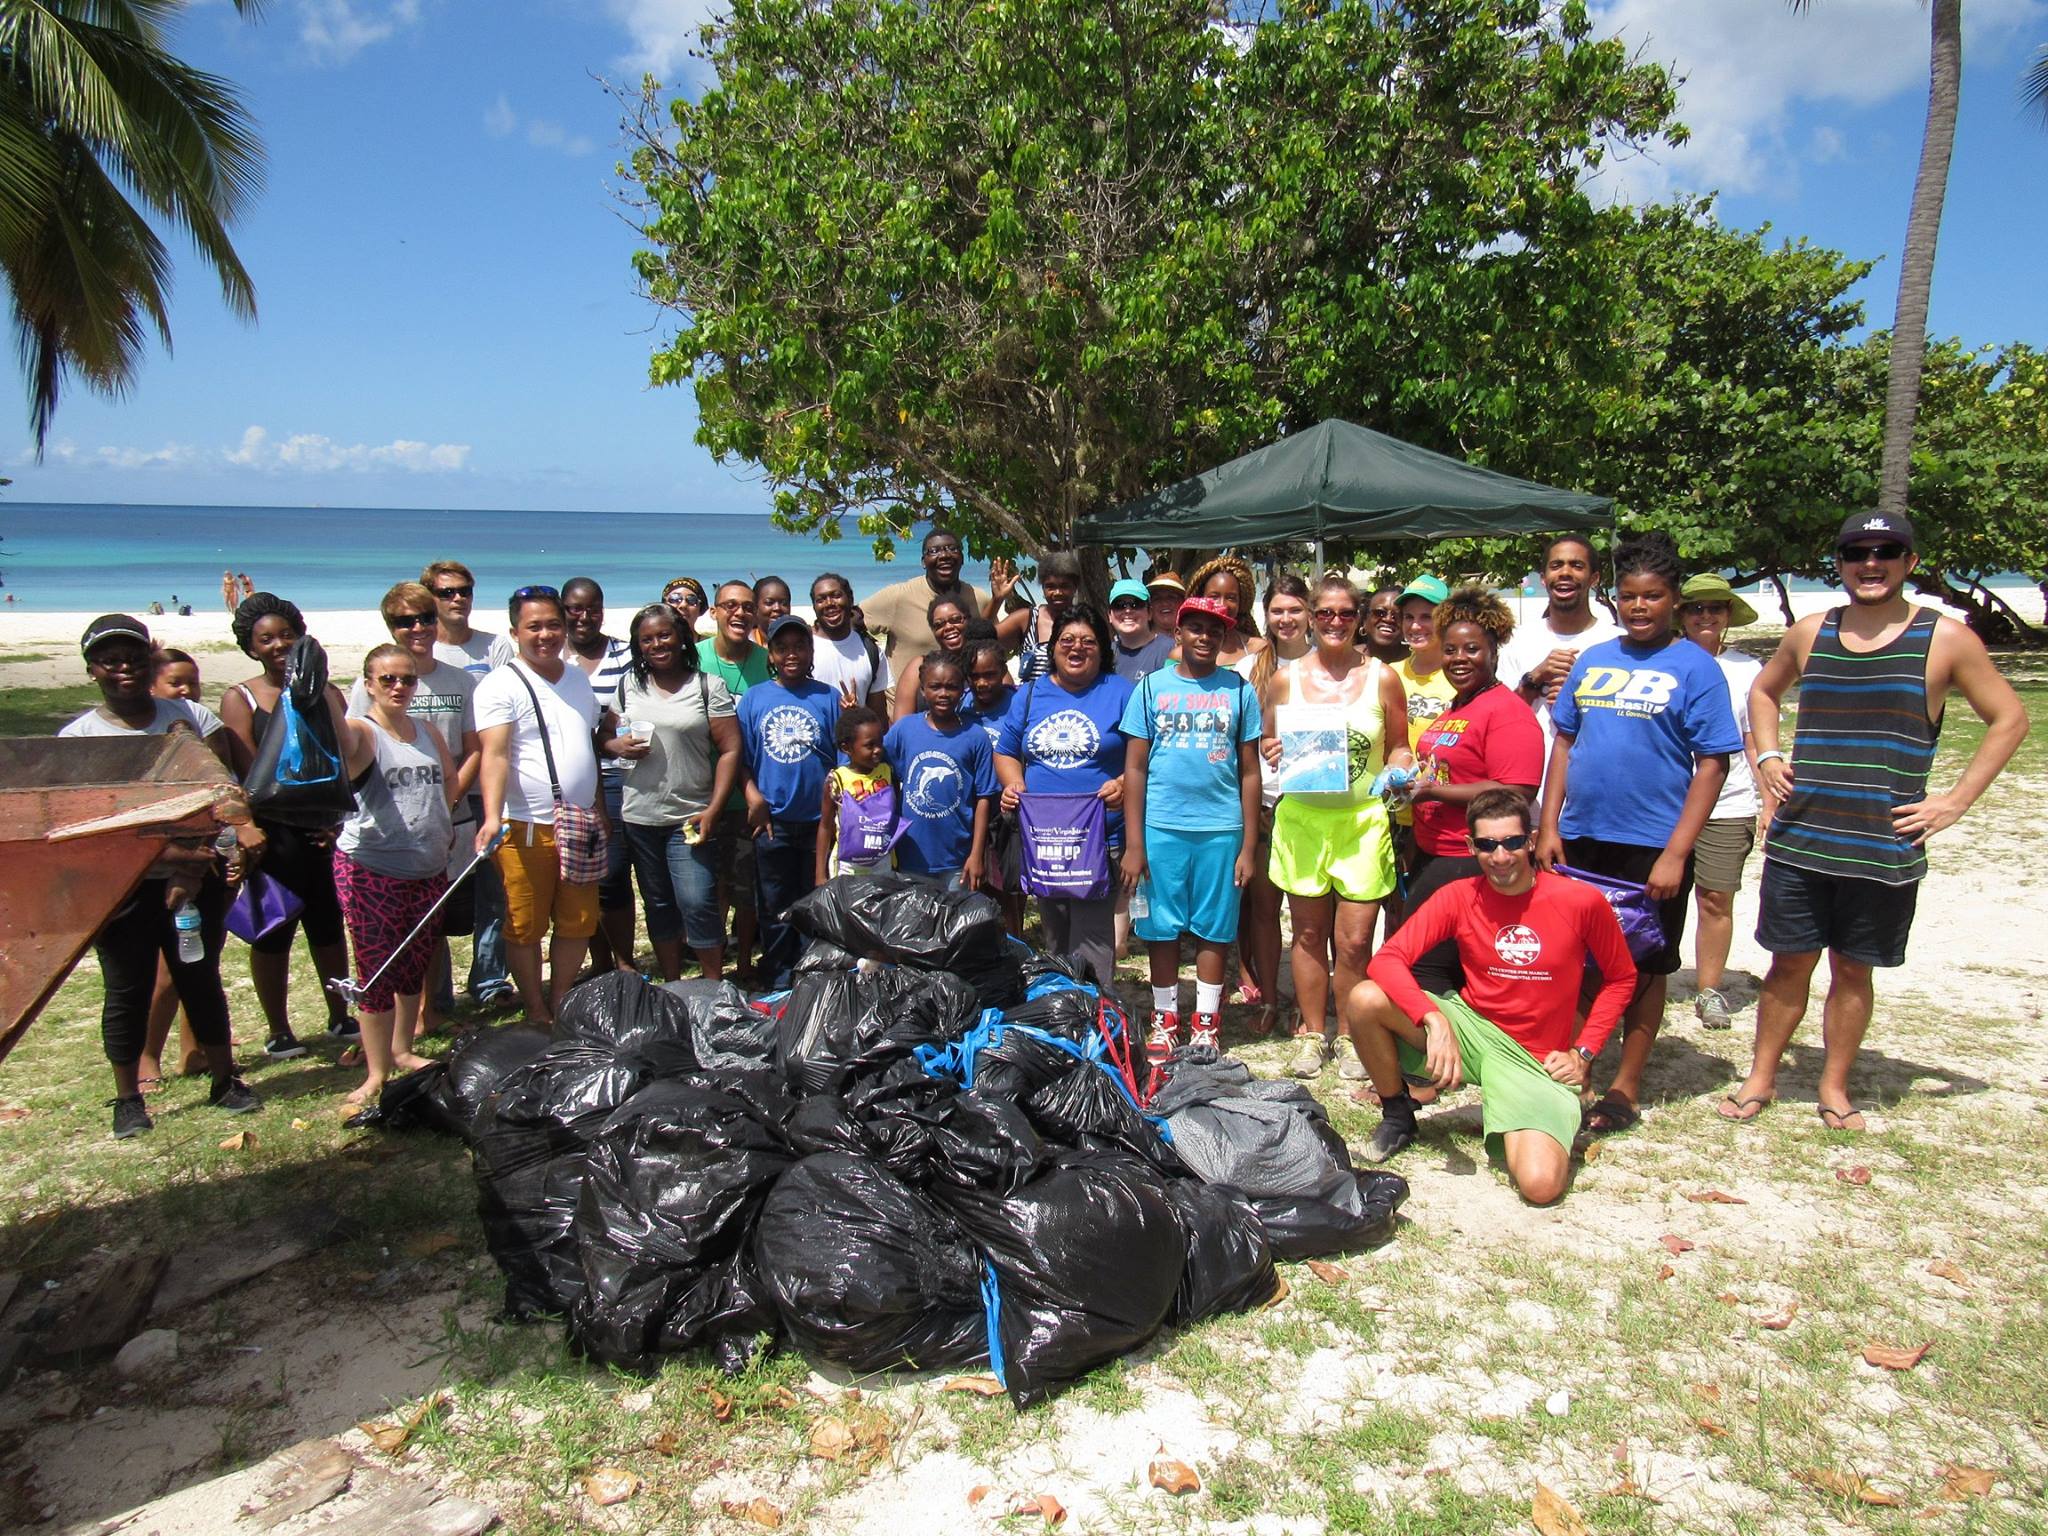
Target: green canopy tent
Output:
{"points": [[1340, 480]]}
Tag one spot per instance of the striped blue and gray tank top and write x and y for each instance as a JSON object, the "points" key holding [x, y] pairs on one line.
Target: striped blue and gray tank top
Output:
{"points": [[1863, 745]]}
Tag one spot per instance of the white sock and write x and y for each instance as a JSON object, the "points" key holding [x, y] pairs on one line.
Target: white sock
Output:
{"points": [[1166, 999], [1208, 996]]}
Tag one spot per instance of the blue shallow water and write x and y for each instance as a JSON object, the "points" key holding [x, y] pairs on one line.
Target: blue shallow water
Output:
{"points": [[57, 558]]}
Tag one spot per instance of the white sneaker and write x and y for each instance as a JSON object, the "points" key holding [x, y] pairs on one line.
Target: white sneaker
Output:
{"points": [[1311, 1053]]}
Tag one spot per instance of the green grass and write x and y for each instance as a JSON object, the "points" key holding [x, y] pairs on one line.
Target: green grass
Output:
{"points": [[39, 711]]}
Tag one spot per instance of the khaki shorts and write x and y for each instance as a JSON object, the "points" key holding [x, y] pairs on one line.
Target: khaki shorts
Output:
{"points": [[1718, 856], [536, 896]]}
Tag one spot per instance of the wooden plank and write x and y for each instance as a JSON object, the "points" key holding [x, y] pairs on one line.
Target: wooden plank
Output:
{"points": [[199, 1274], [310, 1473], [380, 1504], [109, 1313]]}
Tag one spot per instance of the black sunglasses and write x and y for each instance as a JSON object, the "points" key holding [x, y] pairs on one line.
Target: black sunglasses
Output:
{"points": [[1128, 605], [1855, 554], [469, 591], [525, 592], [1513, 844], [407, 620]]}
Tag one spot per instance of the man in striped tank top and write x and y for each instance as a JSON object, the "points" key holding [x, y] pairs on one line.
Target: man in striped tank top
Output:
{"points": [[1847, 846]]}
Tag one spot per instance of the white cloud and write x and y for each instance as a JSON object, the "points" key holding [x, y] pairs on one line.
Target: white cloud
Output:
{"points": [[1747, 63], [335, 31], [501, 121], [314, 451], [662, 32], [499, 118], [168, 456]]}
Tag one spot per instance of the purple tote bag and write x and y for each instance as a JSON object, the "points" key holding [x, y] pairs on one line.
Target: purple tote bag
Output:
{"points": [[261, 907], [1066, 846], [1641, 928]]}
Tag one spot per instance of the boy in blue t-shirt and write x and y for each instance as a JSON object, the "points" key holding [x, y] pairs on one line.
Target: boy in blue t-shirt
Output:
{"points": [[946, 777], [1191, 818], [787, 726]]}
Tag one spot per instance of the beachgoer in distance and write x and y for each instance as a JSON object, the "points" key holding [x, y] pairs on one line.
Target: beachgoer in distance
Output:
{"points": [[228, 595], [1537, 661], [1523, 937], [787, 729], [729, 654], [1030, 628], [142, 934], [1333, 852], [538, 692], [1191, 819], [476, 651], [1061, 737], [266, 627], [1140, 648], [845, 659], [244, 586], [1380, 633], [866, 773], [604, 659], [674, 728], [772, 602], [901, 609], [1166, 592], [1707, 609], [1847, 846], [444, 697], [946, 777], [391, 859], [1287, 602], [685, 594], [950, 622], [1644, 728]]}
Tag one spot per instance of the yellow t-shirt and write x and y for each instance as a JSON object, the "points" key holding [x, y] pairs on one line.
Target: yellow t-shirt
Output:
{"points": [[1428, 697], [849, 781]]}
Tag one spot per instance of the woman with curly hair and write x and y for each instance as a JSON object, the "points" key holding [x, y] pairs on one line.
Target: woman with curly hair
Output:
{"points": [[1230, 581], [1645, 728], [266, 627]]}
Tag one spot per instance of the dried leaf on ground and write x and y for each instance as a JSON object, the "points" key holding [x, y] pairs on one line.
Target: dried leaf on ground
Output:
{"points": [[1846, 1485], [1281, 1291], [1665, 1271], [1729, 1299], [665, 1443], [1959, 1483], [1329, 1274], [1674, 1244], [1707, 1390], [1176, 1477], [1893, 1358], [1628, 1488], [241, 1141], [831, 1439], [721, 1405], [980, 1386], [302, 1125], [1859, 1175], [1716, 1197], [757, 1510], [1553, 1514], [1043, 1505], [1718, 1431], [977, 1493], [390, 1435], [427, 1244], [1778, 1322], [1592, 1152], [1951, 1271], [13, 1114], [611, 1485], [862, 1438]]}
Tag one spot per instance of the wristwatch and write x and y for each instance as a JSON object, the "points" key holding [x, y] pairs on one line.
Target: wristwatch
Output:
{"points": [[1583, 1054]]}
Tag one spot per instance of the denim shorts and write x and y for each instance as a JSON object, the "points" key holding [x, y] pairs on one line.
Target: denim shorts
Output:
{"points": [[678, 885]]}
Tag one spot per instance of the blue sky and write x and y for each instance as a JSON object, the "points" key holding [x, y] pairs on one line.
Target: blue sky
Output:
{"points": [[448, 317]]}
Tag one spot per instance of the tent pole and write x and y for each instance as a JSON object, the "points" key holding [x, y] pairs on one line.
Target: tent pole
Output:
{"points": [[1317, 568]]}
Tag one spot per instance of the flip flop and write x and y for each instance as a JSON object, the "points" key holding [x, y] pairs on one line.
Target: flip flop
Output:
{"points": [[149, 1084], [1740, 1111], [1838, 1119], [1612, 1114]]}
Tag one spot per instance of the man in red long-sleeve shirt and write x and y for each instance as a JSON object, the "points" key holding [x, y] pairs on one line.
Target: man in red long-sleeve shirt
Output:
{"points": [[1523, 937]]}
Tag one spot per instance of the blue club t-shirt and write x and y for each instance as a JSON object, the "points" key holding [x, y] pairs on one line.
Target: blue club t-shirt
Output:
{"points": [[991, 723], [1195, 728], [1638, 717], [786, 737], [1069, 743], [939, 776]]}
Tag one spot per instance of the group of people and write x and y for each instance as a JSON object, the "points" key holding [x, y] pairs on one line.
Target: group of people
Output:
{"points": [[1439, 800]]}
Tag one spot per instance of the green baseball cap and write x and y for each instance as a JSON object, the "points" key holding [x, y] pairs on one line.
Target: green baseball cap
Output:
{"points": [[1431, 587], [1134, 590]]}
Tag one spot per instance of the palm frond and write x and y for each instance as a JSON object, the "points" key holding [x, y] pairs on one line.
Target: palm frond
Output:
{"points": [[2034, 85]]}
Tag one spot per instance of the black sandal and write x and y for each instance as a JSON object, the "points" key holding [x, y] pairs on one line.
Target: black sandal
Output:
{"points": [[1613, 1113]]}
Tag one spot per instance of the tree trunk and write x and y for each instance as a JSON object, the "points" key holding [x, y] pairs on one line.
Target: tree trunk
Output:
{"points": [[1990, 617], [1916, 261], [1784, 599]]}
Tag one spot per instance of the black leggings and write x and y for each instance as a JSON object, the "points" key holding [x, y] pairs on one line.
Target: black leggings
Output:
{"points": [[128, 949], [305, 868]]}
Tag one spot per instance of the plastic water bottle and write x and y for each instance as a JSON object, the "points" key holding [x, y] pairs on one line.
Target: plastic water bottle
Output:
{"points": [[1141, 904], [191, 942]]}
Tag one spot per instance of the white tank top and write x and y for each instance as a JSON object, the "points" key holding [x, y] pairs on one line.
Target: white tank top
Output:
{"points": [[400, 825]]}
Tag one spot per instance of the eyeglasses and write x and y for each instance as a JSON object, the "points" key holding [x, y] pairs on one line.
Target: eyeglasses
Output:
{"points": [[394, 679], [1128, 605], [1332, 615], [1513, 844], [735, 605], [525, 592], [1856, 554], [584, 608], [1077, 643], [451, 592], [407, 620]]}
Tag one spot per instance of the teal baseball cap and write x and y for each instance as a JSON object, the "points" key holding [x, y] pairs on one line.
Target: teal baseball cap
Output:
{"points": [[1431, 587], [1135, 590]]}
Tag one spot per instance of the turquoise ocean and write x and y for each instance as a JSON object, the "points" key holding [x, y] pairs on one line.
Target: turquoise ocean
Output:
{"points": [[95, 558]]}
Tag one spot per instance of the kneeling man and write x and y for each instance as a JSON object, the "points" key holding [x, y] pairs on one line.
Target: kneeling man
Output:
{"points": [[1524, 936]]}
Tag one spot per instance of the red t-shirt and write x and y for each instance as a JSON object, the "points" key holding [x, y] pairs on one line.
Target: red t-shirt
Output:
{"points": [[1493, 737], [1523, 958]]}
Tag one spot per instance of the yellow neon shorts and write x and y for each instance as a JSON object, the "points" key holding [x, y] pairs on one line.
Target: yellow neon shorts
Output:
{"points": [[1317, 849]]}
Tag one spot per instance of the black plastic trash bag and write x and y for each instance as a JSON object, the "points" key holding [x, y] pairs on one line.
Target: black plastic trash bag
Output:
{"points": [[527, 1187], [726, 1030], [629, 1015], [892, 917], [1069, 1012], [1085, 1108], [298, 779], [671, 1185], [1019, 1065], [444, 1096], [824, 955], [1264, 1136], [1088, 1259], [986, 1143], [1303, 1227], [1229, 1262], [837, 1022], [867, 1273]]}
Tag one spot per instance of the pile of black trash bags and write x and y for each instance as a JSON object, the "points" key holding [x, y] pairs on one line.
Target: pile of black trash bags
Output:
{"points": [[928, 1154]]}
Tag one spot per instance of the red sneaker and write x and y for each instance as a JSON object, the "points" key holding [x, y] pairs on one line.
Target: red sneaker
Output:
{"points": [[1207, 1032], [1164, 1038]]}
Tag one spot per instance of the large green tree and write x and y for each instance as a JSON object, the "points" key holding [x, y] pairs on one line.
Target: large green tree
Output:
{"points": [[1005, 261], [102, 130]]}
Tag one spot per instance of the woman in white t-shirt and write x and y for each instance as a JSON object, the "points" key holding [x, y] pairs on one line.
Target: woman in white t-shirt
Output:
{"points": [[1707, 609], [534, 707]]}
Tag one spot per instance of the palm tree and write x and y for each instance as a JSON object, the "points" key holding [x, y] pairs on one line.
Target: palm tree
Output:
{"points": [[97, 118], [1916, 261], [2034, 84]]}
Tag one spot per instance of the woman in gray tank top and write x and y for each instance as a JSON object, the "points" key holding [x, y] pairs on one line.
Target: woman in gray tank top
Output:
{"points": [[391, 858]]}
